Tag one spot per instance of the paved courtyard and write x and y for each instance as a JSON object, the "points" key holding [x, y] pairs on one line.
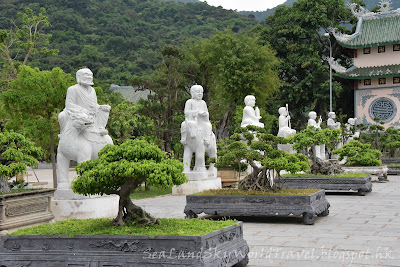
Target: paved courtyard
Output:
{"points": [[360, 230]]}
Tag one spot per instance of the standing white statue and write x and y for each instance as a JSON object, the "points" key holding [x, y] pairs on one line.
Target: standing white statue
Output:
{"points": [[284, 123], [82, 126], [320, 150], [331, 121], [196, 130], [251, 115]]}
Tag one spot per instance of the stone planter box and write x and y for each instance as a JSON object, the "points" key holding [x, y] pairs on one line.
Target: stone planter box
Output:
{"points": [[26, 208], [392, 170], [378, 171], [225, 247], [359, 184], [260, 205]]}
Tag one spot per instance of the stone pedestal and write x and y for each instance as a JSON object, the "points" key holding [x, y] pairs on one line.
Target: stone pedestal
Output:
{"points": [[69, 205], [287, 148], [198, 181]]}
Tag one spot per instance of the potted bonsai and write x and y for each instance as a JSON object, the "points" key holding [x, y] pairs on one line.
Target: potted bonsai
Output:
{"points": [[362, 158], [325, 174], [20, 207], [118, 170], [261, 192], [390, 141]]}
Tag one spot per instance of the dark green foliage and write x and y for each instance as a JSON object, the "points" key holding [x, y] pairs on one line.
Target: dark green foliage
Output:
{"points": [[115, 38], [125, 122], [295, 33], [358, 154], [16, 153], [391, 141]]}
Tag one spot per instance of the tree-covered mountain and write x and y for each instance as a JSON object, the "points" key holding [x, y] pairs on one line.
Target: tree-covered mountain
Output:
{"points": [[118, 38], [262, 15]]}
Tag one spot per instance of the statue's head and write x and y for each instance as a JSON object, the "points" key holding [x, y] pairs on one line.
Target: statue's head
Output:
{"points": [[351, 121], [197, 92], [250, 100], [312, 115], [332, 115], [84, 76], [282, 111]]}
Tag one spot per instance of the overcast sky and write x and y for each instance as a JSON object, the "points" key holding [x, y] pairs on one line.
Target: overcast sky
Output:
{"points": [[245, 5]]}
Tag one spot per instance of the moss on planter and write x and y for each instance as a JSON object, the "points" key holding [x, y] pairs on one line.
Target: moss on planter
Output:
{"points": [[356, 174], [179, 227], [282, 192]]}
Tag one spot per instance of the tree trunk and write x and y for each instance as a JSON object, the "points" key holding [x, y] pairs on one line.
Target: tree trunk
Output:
{"points": [[4, 187], [53, 159], [224, 125], [129, 212]]}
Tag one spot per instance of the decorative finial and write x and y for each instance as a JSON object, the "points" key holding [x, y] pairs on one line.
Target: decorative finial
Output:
{"points": [[384, 6]]}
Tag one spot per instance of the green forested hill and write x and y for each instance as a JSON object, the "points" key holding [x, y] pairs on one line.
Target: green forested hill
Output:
{"points": [[118, 38]]}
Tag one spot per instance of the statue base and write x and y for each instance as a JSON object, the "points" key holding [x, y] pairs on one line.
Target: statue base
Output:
{"points": [[69, 205], [198, 181], [197, 186], [287, 148]]}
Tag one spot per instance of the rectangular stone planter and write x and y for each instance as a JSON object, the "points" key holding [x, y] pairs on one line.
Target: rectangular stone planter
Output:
{"points": [[359, 184], [392, 170], [25, 208], [378, 171], [259, 205], [225, 247]]}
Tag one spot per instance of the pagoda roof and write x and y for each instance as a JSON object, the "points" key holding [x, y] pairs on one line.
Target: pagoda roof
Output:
{"points": [[370, 72], [373, 29]]}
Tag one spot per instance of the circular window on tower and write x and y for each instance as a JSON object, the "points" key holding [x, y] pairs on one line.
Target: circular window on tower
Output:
{"points": [[383, 108]]}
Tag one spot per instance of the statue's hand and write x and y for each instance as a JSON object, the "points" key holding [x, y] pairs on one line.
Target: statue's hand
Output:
{"points": [[105, 108]]}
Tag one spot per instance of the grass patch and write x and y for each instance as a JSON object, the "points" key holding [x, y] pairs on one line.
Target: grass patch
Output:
{"points": [[393, 165], [154, 191], [282, 192], [19, 190], [103, 226], [356, 174]]}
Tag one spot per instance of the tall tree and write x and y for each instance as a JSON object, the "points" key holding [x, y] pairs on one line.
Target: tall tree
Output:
{"points": [[168, 93], [296, 33], [33, 103], [19, 43], [233, 65]]}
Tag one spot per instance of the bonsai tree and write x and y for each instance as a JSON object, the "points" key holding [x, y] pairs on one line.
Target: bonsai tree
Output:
{"points": [[122, 168], [372, 134], [390, 141], [16, 152], [262, 154], [308, 139], [359, 154]]}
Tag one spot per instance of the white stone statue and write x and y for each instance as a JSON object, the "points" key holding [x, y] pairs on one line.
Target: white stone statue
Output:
{"points": [[251, 115], [312, 120], [331, 121], [197, 135], [350, 126], [320, 150], [284, 123], [82, 127]]}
